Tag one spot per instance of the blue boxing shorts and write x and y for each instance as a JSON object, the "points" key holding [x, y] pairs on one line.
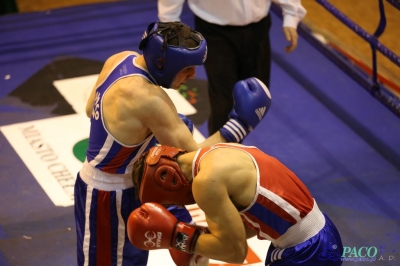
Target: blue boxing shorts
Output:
{"points": [[100, 217], [323, 249]]}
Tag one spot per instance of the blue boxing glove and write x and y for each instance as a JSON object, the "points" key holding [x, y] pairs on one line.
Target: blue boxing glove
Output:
{"points": [[251, 101], [187, 121]]}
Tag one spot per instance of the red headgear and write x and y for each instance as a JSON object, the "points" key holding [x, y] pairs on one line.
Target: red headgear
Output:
{"points": [[163, 181]]}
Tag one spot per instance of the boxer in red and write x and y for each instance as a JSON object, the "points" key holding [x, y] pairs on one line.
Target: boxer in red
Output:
{"points": [[243, 193]]}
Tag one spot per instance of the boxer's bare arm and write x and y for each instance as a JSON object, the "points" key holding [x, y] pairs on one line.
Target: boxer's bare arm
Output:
{"points": [[164, 122], [227, 240], [140, 108], [158, 113]]}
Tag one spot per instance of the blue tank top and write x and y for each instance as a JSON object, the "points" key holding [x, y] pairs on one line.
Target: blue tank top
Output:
{"points": [[105, 152]]}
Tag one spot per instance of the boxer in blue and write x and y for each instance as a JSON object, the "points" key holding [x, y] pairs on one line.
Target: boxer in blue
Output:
{"points": [[243, 193], [129, 112]]}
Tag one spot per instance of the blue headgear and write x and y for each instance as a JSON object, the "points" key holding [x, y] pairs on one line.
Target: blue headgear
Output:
{"points": [[166, 54]]}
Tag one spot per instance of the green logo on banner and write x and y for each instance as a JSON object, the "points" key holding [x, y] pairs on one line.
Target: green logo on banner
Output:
{"points": [[80, 148]]}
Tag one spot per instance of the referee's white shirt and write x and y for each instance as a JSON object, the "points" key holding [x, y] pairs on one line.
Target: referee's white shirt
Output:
{"points": [[232, 12]]}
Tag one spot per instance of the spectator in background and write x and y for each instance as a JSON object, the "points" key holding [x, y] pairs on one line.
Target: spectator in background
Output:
{"points": [[237, 34]]}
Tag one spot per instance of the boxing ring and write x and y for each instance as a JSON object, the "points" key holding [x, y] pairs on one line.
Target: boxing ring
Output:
{"points": [[330, 122], [373, 86]]}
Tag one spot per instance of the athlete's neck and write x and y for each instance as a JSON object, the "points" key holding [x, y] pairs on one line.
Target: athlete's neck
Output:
{"points": [[140, 61], [185, 163]]}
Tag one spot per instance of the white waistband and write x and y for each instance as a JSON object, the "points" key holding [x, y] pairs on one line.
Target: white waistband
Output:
{"points": [[304, 229], [104, 181]]}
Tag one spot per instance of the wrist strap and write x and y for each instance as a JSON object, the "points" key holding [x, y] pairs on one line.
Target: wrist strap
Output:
{"points": [[185, 237], [233, 131]]}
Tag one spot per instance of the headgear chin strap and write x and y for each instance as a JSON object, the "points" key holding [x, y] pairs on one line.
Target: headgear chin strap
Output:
{"points": [[163, 59], [163, 181]]}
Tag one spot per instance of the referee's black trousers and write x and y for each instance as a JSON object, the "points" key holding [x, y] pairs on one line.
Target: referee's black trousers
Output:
{"points": [[234, 53]]}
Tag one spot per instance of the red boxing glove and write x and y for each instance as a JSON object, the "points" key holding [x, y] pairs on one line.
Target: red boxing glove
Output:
{"points": [[151, 226]]}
